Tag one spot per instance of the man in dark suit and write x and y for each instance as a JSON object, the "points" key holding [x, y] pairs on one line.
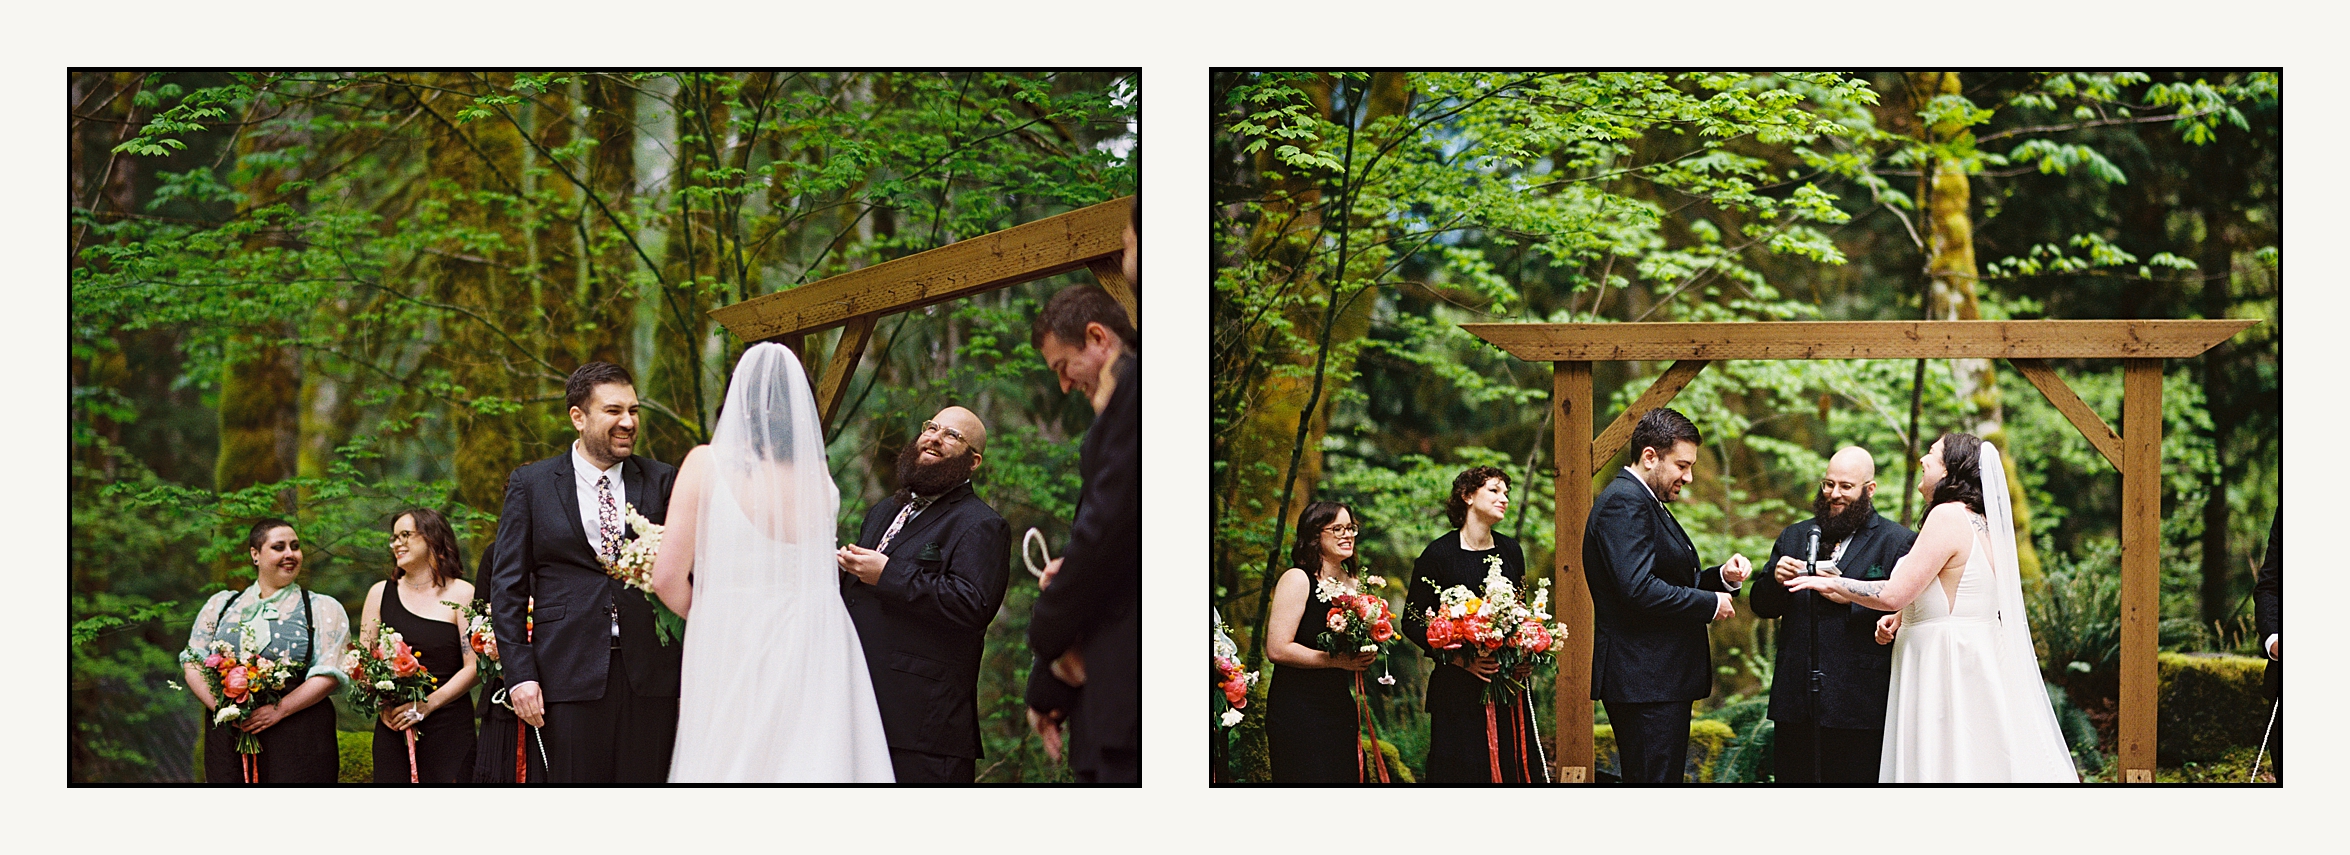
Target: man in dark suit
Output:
{"points": [[1087, 626], [2268, 620], [922, 582], [578, 647], [1651, 602], [1852, 539]]}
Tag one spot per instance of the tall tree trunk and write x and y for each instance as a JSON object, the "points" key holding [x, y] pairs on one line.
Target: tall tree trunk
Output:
{"points": [[607, 298], [261, 376], [690, 265], [2219, 567], [1951, 272], [486, 157]]}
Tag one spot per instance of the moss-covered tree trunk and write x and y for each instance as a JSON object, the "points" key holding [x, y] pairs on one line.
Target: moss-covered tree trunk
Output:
{"points": [[508, 415], [690, 266], [1953, 281]]}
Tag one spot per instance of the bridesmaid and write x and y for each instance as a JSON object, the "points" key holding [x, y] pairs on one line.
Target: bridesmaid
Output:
{"points": [[1468, 741], [280, 620], [424, 575], [1311, 725]]}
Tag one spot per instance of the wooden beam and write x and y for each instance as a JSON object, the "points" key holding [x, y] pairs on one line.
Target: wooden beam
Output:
{"points": [[1111, 273], [1859, 339], [1570, 593], [1659, 393], [1022, 253], [2091, 425], [2141, 563], [843, 366]]}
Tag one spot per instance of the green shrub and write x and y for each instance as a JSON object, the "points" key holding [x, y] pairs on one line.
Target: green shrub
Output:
{"points": [[2207, 705], [355, 754]]}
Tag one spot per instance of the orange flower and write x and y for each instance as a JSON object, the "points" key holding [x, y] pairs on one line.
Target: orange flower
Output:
{"points": [[235, 683], [405, 664]]}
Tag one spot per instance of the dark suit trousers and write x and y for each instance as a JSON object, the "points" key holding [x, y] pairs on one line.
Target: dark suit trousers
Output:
{"points": [[922, 767], [620, 738], [1118, 766], [1847, 756], [1653, 740]]}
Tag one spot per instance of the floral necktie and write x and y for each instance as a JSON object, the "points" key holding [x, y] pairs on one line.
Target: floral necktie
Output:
{"points": [[607, 519], [904, 514]]}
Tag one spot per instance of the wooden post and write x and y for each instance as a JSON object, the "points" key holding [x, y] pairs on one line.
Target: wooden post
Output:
{"points": [[2141, 563], [845, 355], [1570, 594], [1112, 276]]}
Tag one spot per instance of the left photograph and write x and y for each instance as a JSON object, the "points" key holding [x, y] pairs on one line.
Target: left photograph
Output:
{"points": [[641, 427]]}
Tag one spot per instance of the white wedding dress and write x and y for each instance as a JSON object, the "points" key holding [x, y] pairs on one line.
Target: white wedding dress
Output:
{"points": [[1966, 704], [774, 687]]}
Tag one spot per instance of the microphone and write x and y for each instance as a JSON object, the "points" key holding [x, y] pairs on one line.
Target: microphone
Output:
{"points": [[1811, 555]]}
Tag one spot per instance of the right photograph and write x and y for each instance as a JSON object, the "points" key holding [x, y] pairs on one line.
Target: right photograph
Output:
{"points": [[1724, 427]]}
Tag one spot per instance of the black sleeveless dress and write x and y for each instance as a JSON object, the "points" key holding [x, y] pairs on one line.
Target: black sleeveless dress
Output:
{"points": [[444, 742], [300, 748], [1461, 747], [1310, 715]]}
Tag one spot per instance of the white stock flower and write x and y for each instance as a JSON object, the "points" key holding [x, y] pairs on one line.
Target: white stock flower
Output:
{"points": [[227, 714], [383, 685], [1232, 717]]}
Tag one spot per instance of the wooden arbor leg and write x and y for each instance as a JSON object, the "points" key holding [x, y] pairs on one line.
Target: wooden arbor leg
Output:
{"points": [[835, 384], [2141, 563], [1570, 594], [1112, 278]]}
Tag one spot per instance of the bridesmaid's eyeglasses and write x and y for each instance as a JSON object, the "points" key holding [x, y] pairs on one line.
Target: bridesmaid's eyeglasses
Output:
{"points": [[403, 536], [1348, 530]]}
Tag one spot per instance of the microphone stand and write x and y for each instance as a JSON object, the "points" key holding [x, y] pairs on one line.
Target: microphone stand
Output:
{"points": [[1812, 620]]}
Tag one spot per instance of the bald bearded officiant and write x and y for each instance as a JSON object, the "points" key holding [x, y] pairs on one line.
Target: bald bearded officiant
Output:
{"points": [[923, 580], [1841, 721]]}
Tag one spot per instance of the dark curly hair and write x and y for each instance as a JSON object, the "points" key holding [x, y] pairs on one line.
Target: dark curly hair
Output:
{"points": [[1469, 481], [439, 539], [1307, 553], [584, 381], [1962, 472]]}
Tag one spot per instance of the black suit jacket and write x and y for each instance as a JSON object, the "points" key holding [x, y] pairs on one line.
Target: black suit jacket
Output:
{"points": [[1095, 604], [1650, 601], [1854, 668], [543, 550], [924, 623], [2268, 600]]}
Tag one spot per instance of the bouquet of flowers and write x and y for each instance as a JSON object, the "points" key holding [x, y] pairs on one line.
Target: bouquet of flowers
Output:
{"points": [[1225, 673], [634, 568], [244, 683], [388, 676], [481, 634], [1358, 621], [1497, 621]]}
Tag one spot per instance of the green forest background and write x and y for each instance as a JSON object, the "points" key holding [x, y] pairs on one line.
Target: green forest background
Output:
{"points": [[1358, 218], [329, 296]]}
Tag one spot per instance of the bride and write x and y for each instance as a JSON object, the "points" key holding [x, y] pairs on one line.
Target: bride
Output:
{"points": [[1966, 703], [775, 687]]}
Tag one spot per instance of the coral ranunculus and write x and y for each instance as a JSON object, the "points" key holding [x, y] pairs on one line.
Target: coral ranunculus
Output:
{"points": [[1336, 620], [214, 661], [236, 683], [1440, 632]]}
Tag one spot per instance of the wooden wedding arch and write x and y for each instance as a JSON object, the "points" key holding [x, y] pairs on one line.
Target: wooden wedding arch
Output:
{"points": [[2135, 450], [1090, 237]]}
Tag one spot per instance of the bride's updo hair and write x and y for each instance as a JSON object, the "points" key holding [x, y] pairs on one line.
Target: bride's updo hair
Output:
{"points": [[1962, 472]]}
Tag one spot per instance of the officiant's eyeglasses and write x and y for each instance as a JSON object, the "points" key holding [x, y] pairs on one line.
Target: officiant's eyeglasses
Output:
{"points": [[929, 428]]}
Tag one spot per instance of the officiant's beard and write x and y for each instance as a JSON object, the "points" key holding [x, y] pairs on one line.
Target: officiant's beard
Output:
{"points": [[1835, 527], [930, 479]]}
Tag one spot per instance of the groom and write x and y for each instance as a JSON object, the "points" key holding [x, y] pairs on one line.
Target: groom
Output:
{"points": [[578, 647], [1650, 602], [922, 582], [1854, 669]]}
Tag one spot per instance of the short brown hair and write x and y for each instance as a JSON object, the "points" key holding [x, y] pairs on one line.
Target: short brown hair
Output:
{"points": [[1067, 313], [584, 381]]}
